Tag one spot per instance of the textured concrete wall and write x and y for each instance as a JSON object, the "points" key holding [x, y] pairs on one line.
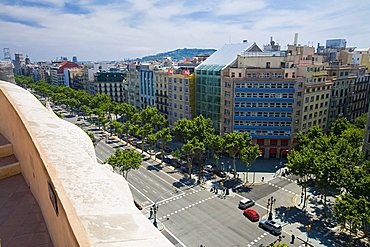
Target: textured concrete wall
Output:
{"points": [[65, 226], [95, 205]]}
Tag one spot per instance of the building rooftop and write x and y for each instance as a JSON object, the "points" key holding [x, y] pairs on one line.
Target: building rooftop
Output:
{"points": [[227, 54]]}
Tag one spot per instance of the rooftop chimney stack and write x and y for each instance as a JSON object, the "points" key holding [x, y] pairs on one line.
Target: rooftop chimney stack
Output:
{"points": [[295, 39]]}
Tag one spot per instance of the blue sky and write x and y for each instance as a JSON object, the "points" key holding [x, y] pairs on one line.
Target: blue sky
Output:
{"points": [[117, 29]]}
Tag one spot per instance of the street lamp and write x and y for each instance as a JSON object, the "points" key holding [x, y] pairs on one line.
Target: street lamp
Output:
{"points": [[155, 210], [154, 207], [270, 202]]}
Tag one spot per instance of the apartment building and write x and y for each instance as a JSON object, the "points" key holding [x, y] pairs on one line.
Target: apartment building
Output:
{"points": [[77, 78], [132, 85], [343, 78], [110, 82], [147, 86], [366, 146], [359, 97], [257, 97], [313, 91], [161, 93], [208, 76], [179, 96], [57, 74]]}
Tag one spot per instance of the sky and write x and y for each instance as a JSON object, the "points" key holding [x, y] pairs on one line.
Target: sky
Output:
{"points": [[98, 30]]}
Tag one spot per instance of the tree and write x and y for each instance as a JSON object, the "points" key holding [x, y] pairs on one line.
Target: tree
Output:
{"points": [[183, 129], [125, 161], [193, 148], [248, 154], [360, 122], [300, 163], [340, 125], [234, 143], [152, 139], [215, 144], [85, 110], [164, 136], [116, 127], [352, 212], [144, 131]]}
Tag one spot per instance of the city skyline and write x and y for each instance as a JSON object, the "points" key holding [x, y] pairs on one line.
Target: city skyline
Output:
{"points": [[113, 30]]}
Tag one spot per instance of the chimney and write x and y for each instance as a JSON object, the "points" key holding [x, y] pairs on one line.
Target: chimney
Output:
{"points": [[295, 39]]}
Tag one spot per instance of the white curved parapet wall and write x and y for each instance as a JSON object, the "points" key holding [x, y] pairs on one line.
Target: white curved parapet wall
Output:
{"points": [[98, 204]]}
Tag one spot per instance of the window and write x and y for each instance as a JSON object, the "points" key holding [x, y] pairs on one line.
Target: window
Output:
{"points": [[268, 65]]}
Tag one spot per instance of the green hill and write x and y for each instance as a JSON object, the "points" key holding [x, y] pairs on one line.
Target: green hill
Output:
{"points": [[179, 54]]}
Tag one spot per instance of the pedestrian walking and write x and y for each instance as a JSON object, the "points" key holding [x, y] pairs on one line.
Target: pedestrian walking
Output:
{"points": [[151, 213], [293, 237]]}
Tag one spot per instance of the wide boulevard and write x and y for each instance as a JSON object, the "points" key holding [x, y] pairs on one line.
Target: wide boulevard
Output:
{"points": [[191, 215]]}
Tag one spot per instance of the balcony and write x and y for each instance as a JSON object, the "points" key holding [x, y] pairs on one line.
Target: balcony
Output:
{"points": [[83, 203]]}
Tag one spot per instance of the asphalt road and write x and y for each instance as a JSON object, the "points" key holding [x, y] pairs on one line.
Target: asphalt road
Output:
{"points": [[192, 215]]}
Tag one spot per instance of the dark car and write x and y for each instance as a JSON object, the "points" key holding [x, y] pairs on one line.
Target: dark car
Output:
{"points": [[221, 174], [185, 169], [209, 168], [167, 149], [251, 214], [167, 160]]}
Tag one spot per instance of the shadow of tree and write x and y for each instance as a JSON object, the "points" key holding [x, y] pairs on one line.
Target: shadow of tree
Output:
{"points": [[156, 167]]}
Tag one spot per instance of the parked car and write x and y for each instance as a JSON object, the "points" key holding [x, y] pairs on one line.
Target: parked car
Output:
{"points": [[271, 226], [221, 174], [168, 149], [167, 160], [246, 203], [185, 169], [209, 168], [251, 214]]}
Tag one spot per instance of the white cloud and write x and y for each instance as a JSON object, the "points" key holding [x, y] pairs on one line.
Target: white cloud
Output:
{"points": [[136, 28]]}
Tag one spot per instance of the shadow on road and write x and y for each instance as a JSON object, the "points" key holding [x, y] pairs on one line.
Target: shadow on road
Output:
{"points": [[184, 182], [156, 167]]}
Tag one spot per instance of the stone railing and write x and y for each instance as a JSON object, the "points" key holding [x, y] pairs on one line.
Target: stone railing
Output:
{"points": [[83, 203]]}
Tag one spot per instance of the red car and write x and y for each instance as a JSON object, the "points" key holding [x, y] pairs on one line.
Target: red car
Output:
{"points": [[251, 214]]}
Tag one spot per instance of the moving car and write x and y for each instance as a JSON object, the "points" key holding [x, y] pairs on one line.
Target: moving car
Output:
{"points": [[271, 226], [246, 203], [251, 214]]}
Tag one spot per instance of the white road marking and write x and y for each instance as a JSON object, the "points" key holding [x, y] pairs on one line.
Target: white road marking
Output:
{"points": [[140, 192], [178, 240], [169, 176]]}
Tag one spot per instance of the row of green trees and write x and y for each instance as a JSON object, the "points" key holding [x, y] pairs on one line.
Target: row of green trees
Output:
{"points": [[335, 164], [197, 135]]}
